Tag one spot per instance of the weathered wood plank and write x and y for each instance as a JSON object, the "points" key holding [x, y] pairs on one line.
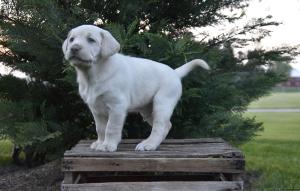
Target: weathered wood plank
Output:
{"points": [[167, 141], [187, 145], [169, 154], [210, 165], [155, 186], [189, 149], [169, 146], [163, 148], [69, 177]]}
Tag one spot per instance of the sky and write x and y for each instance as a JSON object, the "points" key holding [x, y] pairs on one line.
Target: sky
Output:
{"points": [[288, 33], [285, 11]]}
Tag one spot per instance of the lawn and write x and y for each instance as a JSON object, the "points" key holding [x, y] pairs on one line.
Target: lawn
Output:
{"points": [[278, 100], [275, 152]]}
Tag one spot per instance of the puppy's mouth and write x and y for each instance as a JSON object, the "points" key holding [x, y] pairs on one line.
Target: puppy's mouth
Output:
{"points": [[78, 59]]}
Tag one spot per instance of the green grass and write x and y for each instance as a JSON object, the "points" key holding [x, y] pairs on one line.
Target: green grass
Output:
{"points": [[276, 152], [5, 152], [278, 100], [279, 126]]}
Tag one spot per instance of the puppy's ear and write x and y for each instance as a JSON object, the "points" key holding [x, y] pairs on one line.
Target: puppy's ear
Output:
{"points": [[65, 45], [109, 45]]}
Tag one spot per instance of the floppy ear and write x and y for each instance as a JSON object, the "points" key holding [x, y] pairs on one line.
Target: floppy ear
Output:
{"points": [[65, 44], [109, 45]]}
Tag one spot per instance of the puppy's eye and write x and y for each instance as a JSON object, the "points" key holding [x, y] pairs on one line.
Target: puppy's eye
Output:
{"points": [[91, 40], [72, 39]]}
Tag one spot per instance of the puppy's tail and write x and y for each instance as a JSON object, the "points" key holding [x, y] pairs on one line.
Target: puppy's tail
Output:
{"points": [[186, 68]]}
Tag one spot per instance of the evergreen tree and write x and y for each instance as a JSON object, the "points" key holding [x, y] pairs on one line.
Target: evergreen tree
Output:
{"points": [[45, 115]]}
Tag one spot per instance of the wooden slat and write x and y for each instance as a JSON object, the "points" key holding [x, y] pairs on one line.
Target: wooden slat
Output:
{"points": [[162, 148], [155, 186], [167, 141], [211, 165], [190, 148], [167, 154], [69, 177]]}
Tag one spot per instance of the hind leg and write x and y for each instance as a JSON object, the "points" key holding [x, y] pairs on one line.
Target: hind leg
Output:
{"points": [[160, 129], [147, 114], [163, 106]]}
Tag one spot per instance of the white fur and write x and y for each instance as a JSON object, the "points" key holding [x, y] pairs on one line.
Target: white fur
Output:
{"points": [[112, 85]]}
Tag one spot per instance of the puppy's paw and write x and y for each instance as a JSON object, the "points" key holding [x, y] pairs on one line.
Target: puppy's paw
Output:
{"points": [[96, 144], [107, 147], [146, 146]]}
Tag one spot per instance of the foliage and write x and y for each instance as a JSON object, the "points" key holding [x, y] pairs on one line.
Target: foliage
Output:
{"points": [[5, 152], [45, 115], [33, 119]]}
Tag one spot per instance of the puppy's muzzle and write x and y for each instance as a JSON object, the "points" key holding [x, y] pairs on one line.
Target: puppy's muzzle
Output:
{"points": [[75, 49], [75, 55]]}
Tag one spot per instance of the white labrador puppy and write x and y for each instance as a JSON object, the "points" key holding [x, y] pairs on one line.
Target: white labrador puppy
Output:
{"points": [[112, 85]]}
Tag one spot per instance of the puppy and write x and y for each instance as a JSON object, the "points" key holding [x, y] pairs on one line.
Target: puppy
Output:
{"points": [[112, 85]]}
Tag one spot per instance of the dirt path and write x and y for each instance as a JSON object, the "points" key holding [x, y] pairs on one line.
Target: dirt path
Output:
{"points": [[47, 177]]}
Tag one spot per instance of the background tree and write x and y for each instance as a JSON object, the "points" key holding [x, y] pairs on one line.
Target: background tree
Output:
{"points": [[44, 115]]}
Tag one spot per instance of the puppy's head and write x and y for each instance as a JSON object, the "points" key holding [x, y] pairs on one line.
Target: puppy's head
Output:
{"points": [[87, 44]]}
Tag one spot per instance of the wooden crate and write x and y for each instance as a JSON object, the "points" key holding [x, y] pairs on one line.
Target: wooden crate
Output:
{"points": [[178, 164]]}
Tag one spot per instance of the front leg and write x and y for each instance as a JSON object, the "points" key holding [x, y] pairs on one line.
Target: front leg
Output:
{"points": [[101, 122], [113, 132]]}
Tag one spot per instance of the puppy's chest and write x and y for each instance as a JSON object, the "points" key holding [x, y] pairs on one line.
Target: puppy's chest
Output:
{"points": [[94, 97]]}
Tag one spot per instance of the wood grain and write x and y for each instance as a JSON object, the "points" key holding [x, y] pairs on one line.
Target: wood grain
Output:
{"points": [[219, 165], [182, 148], [155, 186], [167, 141]]}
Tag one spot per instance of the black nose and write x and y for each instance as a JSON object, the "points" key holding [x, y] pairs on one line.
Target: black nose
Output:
{"points": [[75, 49]]}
